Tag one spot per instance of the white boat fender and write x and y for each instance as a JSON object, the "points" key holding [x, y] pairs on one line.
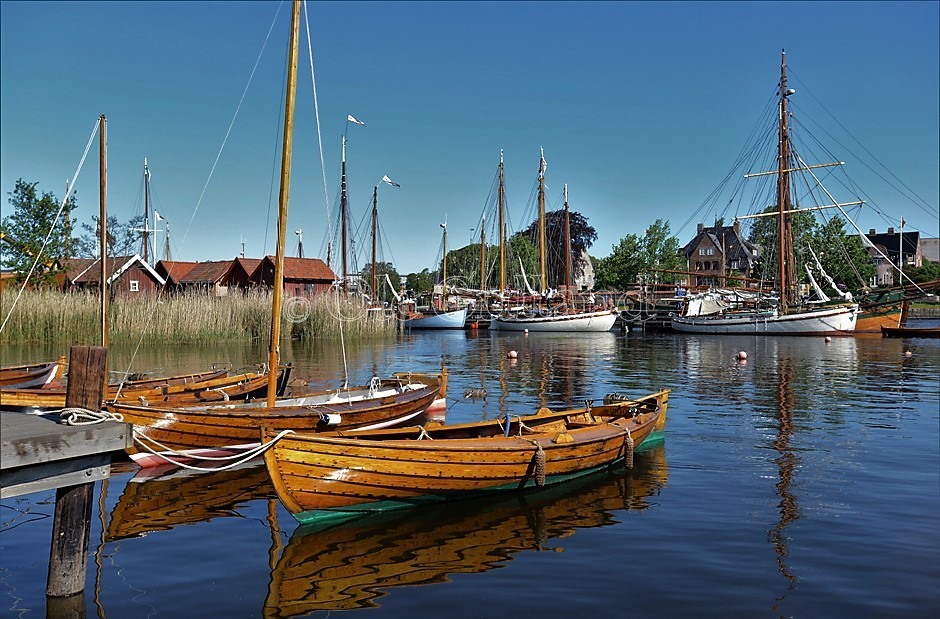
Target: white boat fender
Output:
{"points": [[331, 419]]}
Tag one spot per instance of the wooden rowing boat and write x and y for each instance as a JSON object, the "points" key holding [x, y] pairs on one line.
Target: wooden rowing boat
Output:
{"points": [[214, 386], [353, 565], [910, 331], [320, 478], [165, 434], [36, 375]]}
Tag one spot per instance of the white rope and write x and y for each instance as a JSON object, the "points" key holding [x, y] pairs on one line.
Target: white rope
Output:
{"points": [[243, 457], [71, 188], [374, 385], [77, 416]]}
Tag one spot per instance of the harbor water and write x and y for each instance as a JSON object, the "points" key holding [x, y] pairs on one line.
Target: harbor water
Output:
{"points": [[803, 481]]}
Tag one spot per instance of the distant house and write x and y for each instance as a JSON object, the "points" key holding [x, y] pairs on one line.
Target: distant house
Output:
{"points": [[904, 249], [206, 277], [173, 271], [128, 276], [930, 248], [302, 276], [240, 272], [718, 252]]}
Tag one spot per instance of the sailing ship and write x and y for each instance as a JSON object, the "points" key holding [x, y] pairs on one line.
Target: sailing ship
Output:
{"points": [[782, 314], [439, 315], [564, 317]]}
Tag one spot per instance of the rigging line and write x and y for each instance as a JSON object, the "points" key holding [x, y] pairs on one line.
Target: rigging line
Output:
{"points": [[925, 203], [231, 125], [192, 217], [275, 178], [55, 221], [316, 109]]}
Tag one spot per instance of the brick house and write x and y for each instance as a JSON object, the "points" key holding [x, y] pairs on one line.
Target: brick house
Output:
{"points": [[717, 252], [303, 277]]}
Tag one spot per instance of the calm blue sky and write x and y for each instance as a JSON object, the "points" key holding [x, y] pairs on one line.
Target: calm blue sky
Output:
{"points": [[641, 108]]}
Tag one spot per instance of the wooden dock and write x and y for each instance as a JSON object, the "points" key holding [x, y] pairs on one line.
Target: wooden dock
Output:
{"points": [[39, 454]]}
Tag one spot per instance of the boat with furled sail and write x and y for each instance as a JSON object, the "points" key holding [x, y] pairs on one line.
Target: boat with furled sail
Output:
{"points": [[168, 434], [784, 314], [355, 564], [438, 316], [565, 316], [321, 478]]}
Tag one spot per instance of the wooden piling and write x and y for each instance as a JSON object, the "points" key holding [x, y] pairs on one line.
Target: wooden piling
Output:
{"points": [[88, 366]]}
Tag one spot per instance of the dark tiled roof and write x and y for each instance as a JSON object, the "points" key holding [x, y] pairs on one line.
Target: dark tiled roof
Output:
{"points": [[206, 272], [174, 270], [307, 269], [92, 271]]}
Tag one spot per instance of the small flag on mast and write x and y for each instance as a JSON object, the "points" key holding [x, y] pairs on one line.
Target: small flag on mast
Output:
{"points": [[353, 119], [158, 216], [902, 222], [390, 181]]}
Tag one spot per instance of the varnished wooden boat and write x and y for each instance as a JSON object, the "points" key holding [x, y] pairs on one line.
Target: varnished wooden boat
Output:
{"points": [[35, 375], [184, 497], [910, 331], [352, 565], [175, 432], [214, 386], [319, 478]]}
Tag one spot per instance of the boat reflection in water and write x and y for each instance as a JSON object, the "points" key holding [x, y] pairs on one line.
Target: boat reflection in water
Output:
{"points": [[350, 566], [159, 503]]}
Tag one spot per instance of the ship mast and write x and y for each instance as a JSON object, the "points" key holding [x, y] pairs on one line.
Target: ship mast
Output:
{"points": [[274, 350], [502, 227], [146, 229], [542, 241], [785, 274], [567, 251], [375, 226], [483, 255], [342, 208]]}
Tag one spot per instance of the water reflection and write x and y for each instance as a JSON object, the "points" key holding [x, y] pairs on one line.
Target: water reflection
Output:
{"points": [[182, 497], [787, 463], [352, 566]]}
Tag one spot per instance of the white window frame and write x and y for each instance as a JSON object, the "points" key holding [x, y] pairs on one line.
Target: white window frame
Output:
{"points": [[135, 285]]}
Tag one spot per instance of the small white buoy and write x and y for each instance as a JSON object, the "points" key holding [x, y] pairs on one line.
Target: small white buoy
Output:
{"points": [[527, 331], [511, 354], [908, 353], [828, 339], [742, 356]]}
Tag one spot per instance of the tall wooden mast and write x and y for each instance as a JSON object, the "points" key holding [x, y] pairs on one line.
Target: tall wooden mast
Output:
{"points": [[785, 273], [567, 251], [103, 223], [543, 246], [483, 255], [375, 228], [502, 227], [274, 351], [146, 251], [342, 215]]}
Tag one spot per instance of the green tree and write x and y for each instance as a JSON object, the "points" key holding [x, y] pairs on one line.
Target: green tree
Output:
{"points": [[622, 267], [660, 251], [25, 231], [843, 256], [583, 236], [764, 235], [422, 282], [123, 239]]}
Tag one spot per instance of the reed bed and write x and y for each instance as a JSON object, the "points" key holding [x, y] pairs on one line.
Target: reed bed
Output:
{"points": [[74, 317]]}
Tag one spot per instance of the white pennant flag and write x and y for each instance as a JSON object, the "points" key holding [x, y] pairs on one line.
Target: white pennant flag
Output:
{"points": [[390, 181], [158, 216], [353, 119]]}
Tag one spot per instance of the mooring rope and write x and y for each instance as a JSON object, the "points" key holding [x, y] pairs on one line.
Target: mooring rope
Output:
{"points": [[628, 449], [242, 457], [539, 463], [77, 416]]}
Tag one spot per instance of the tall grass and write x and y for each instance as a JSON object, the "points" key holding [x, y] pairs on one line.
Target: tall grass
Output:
{"points": [[52, 316]]}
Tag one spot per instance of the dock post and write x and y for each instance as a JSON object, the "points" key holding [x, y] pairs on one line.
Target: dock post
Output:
{"points": [[71, 525]]}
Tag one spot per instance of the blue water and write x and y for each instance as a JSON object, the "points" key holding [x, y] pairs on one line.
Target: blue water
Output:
{"points": [[804, 482]]}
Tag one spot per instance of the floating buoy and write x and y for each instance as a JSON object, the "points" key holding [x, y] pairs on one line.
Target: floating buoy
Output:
{"points": [[527, 331], [511, 354], [742, 356], [828, 339], [908, 353]]}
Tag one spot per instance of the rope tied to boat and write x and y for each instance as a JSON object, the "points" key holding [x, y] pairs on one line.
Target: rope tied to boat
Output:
{"points": [[539, 459], [223, 392], [374, 385], [77, 416], [423, 434], [239, 458]]}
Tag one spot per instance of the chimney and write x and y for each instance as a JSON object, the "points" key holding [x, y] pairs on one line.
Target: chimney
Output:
{"points": [[700, 228], [872, 231], [890, 230], [737, 227]]}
